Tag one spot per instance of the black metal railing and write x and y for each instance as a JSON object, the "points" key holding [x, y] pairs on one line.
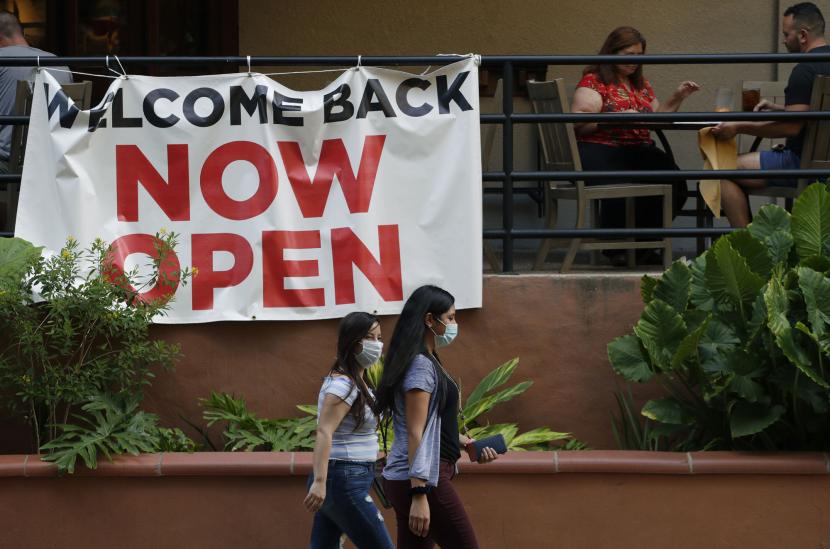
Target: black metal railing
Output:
{"points": [[508, 177]]}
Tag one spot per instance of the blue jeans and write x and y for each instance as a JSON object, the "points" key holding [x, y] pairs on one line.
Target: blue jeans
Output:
{"points": [[349, 509]]}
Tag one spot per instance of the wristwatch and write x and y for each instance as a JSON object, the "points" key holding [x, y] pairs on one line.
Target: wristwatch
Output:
{"points": [[415, 490]]}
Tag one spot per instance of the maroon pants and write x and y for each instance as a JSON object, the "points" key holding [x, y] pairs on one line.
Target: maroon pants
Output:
{"points": [[449, 525]]}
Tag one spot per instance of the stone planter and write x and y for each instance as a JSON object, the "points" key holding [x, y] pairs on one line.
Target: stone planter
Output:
{"points": [[591, 499]]}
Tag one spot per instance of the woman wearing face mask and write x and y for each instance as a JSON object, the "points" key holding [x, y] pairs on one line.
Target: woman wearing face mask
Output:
{"points": [[423, 400], [622, 88], [347, 444]]}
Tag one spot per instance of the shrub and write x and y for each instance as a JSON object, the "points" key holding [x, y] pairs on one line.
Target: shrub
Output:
{"points": [[739, 338]]}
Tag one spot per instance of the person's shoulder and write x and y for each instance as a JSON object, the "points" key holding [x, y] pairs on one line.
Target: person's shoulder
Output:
{"points": [[24, 51], [420, 374], [810, 68], [336, 383], [422, 363], [589, 80]]}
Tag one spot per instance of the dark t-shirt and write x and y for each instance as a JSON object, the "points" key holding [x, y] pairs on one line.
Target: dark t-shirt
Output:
{"points": [[450, 446], [800, 89]]}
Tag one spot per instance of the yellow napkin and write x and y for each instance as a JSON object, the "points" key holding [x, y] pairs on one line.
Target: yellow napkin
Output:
{"points": [[717, 155]]}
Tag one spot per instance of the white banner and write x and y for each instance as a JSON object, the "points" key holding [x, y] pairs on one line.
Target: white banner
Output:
{"points": [[290, 204]]}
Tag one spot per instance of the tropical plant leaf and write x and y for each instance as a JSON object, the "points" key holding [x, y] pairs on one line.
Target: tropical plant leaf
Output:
{"points": [[496, 378], [817, 263], [811, 222], [666, 410], [16, 256], [750, 418], [816, 290], [753, 251], [626, 356], [689, 345], [771, 225], [489, 430], [488, 402], [770, 219], [245, 431], [674, 286], [310, 409], [746, 388], [777, 308], [699, 294], [631, 431], [647, 285], [110, 425], [535, 437], [730, 278], [660, 329]]}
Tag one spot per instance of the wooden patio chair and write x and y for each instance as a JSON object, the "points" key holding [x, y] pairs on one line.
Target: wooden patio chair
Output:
{"points": [[560, 153], [774, 91], [81, 95], [815, 153]]}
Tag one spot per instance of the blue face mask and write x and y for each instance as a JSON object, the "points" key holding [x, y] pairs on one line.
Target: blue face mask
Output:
{"points": [[450, 332]]}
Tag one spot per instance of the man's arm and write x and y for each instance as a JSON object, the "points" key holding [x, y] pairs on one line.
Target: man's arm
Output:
{"points": [[774, 128]]}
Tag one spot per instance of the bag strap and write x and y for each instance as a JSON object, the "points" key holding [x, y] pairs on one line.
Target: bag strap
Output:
{"points": [[384, 425]]}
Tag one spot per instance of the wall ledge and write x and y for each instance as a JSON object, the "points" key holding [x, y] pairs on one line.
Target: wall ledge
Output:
{"points": [[245, 464]]}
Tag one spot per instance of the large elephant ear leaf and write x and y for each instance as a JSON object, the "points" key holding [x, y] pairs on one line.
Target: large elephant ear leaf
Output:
{"points": [[667, 410], [647, 285], [750, 418], [689, 346], [16, 256], [628, 360], [779, 324], [811, 222], [772, 227], [699, 293], [660, 329], [674, 286], [730, 278], [753, 250], [816, 290]]}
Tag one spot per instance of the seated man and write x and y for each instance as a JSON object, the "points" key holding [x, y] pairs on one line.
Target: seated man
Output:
{"points": [[803, 31], [13, 44]]}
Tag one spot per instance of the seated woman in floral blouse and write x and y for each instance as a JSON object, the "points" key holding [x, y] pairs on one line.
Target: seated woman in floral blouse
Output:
{"points": [[624, 89]]}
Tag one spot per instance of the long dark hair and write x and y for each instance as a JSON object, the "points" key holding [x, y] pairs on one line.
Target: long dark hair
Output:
{"points": [[408, 341], [353, 328], [619, 39]]}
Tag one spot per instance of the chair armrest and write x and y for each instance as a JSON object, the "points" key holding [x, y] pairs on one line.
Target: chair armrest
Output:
{"points": [[665, 144]]}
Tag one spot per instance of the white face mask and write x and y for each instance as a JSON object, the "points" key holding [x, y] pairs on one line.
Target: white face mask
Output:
{"points": [[450, 331], [370, 353]]}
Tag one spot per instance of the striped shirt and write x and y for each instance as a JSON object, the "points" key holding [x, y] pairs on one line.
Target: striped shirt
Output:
{"points": [[347, 443]]}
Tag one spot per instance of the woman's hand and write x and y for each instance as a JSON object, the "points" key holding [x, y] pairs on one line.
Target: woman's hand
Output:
{"points": [[419, 515], [488, 455], [315, 497], [685, 89]]}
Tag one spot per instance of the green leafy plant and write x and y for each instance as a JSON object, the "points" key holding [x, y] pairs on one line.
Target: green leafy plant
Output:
{"points": [[631, 430], [245, 431], [75, 328], [739, 337], [487, 395], [110, 425]]}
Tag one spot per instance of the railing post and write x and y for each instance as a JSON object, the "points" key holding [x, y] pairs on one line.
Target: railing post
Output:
{"points": [[507, 162]]}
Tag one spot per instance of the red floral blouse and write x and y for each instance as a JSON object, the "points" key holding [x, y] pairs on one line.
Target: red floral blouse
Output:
{"points": [[617, 98]]}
